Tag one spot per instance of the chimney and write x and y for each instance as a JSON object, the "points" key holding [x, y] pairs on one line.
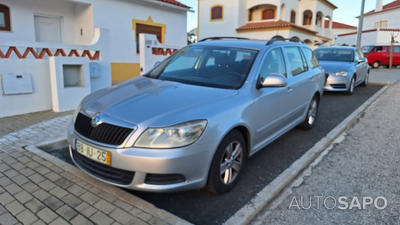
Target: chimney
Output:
{"points": [[379, 5]]}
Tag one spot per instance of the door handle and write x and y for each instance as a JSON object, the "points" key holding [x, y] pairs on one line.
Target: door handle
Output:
{"points": [[311, 78], [289, 90]]}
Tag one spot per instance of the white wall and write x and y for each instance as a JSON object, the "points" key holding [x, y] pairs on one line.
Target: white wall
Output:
{"points": [[366, 39], [39, 100], [392, 16]]}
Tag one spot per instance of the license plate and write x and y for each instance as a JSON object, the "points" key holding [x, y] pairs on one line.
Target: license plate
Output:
{"points": [[93, 153]]}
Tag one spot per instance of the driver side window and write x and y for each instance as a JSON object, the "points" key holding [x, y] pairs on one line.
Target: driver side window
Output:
{"points": [[273, 63]]}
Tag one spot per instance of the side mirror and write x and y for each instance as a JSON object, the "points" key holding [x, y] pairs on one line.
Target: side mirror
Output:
{"points": [[273, 80], [362, 60]]}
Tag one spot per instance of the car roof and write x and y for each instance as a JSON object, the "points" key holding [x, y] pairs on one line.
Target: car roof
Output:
{"points": [[337, 47], [254, 44]]}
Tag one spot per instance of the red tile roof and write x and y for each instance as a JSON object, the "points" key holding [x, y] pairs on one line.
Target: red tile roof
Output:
{"points": [[271, 24], [173, 2], [339, 25], [390, 6]]}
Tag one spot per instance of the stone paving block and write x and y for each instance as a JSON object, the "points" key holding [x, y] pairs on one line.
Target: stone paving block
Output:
{"points": [[6, 198], [27, 172], [101, 219], [33, 164], [104, 206], [46, 164], [27, 217], [9, 160], [81, 220], [136, 221], [107, 196], [116, 223], [41, 194], [58, 192], [7, 218], [23, 196], [141, 214], [37, 158], [67, 212], [57, 169], [8, 149], [18, 166], [2, 210], [20, 180], [15, 207], [47, 185], [76, 190], [4, 181], [2, 190], [71, 200], [4, 167], [47, 215], [86, 209], [13, 188], [122, 204], [16, 154], [95, 190], [52, 176], [59, 221], [121, 216], [36, 178], [89, 198], [64, 183], [30, 187], [42, 170], [24, 159], [35, 205], [11, 173], [39, 222], [53, 203], [157, 221], [67, 175]]}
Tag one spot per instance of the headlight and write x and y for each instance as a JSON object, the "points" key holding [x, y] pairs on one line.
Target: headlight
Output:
{"points": [[341, 73], [78, 109], [172, 137]]}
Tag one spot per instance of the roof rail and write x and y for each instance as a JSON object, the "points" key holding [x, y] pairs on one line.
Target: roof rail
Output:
{"points": [[270, 42], [220, 38]]}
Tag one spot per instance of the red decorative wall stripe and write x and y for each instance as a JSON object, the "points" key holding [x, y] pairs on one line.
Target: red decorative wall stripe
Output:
{"points": [[46, 51], [162, 51]]}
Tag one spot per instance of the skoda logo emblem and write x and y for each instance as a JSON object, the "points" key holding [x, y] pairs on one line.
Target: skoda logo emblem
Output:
{"points": [[96, 121]]}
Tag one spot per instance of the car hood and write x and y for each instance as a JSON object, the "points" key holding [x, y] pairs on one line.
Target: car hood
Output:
{"points": [[143, 99], [336, 66]]}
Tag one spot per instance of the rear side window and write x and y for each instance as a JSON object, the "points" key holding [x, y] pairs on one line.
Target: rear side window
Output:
{"points": [[273, 63], [310, 57], [296, 62]]}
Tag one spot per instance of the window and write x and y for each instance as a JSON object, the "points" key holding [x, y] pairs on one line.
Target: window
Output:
{"points": [[310, 57], [5, 18], [273, 63], [292, 16], [217, 13], [307, 17], [396, 49], [268, 14], [296, 62], [142, 28]]}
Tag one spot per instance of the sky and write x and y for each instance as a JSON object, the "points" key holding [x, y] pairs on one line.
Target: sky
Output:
{"points": [[345, 13]]}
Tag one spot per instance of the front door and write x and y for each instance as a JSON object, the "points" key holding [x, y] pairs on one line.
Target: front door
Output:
{"points": [[48, 29]]}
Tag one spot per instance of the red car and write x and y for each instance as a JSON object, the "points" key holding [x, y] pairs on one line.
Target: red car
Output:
{"points": [[379, 55]]}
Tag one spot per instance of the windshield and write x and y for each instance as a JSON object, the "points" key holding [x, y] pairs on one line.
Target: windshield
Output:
{"points": [[344, 55], [367, 49], [222, 67]]}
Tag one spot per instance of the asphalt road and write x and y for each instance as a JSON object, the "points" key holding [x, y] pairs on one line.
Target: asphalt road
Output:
{"points": [[203, 207]]}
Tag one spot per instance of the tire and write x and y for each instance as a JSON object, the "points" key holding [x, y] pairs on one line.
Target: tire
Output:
{"points": [[311, 115], [350, 90], [228, 163], [376, 64], [365, 82]]}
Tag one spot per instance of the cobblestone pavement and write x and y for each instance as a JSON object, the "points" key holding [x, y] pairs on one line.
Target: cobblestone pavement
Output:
{"points": [[43, 190]]}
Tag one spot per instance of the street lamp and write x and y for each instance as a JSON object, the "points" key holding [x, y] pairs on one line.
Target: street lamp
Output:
{"points": [[360, 24]]}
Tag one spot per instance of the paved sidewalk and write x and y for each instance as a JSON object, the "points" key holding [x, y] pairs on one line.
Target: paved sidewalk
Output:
{"points": [[356, 182], [36, 188]]}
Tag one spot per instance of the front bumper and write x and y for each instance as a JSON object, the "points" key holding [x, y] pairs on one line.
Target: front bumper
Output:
{"points": [[337, 83], [153, 170]]}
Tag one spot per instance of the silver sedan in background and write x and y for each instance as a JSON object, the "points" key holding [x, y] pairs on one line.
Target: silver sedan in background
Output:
{"points": [[347, 68]]}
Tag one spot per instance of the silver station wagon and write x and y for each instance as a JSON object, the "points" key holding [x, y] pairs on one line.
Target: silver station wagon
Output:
{"points": [[193, 120]]}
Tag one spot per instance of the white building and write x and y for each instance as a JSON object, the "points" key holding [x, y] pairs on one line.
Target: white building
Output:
{"points": [[339, 28], [378, 26], [265, 19], [54, 52]]}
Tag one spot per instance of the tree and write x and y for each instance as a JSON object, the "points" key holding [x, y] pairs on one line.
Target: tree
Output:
{"points": [[391, 48]]}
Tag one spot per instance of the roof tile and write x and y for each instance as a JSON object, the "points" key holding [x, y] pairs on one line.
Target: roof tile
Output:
{"points": [[173, 2]]}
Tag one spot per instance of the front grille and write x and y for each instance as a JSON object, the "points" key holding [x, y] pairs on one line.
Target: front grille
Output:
{"points": [[102, 171], [338, 86], [103, 133], [164, 179]]}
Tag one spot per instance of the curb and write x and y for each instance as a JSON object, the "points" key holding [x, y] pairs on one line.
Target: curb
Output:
{"points": [[268, 193], [120, 193]]}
